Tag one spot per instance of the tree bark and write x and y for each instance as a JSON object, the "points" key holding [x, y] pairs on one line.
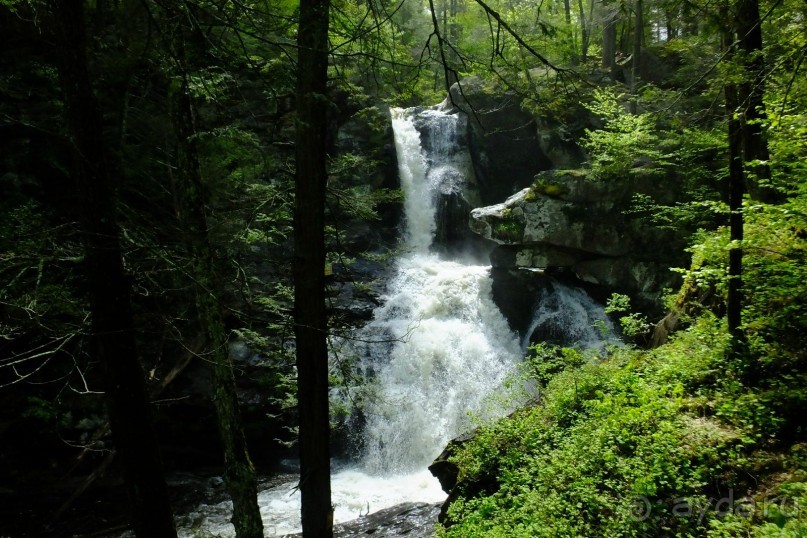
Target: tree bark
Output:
{"points": [[734, 301], [113, 335], [638, 31], [584, 32], [239, 473], [309, 269], [750, 101], [609, 38]]}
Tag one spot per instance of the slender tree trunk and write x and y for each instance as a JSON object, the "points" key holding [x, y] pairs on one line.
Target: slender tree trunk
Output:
{"points": [[751, 104], [689, 25], [736, 193], [584, 37], [669, 23], [638, 31], [454, 29], [609, 38], [734, 302], [239, 473], [309, 269], [113, 334], [451, 34]]}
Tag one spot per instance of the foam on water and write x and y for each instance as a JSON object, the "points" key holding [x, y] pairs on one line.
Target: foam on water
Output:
{"points": [[354, 494]]}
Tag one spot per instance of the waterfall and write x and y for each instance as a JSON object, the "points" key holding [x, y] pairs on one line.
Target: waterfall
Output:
{"points": [[444, 345], [435, 349], [569, 317], [412, 170], [452, 347]]}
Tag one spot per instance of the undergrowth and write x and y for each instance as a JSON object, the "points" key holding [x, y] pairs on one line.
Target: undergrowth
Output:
{"points": [[668, 442], [701, 436]]}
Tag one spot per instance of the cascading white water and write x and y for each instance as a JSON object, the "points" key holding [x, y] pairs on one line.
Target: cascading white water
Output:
{"points": [[444, 343], [412, 170], [453, 348], [570, 317], [435, 349]]}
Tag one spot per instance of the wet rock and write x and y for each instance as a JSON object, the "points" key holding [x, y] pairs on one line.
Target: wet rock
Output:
{"points": [[514, 292], [447, 473], [443, 469], [413, 520], [367, 133], [504, 142]]}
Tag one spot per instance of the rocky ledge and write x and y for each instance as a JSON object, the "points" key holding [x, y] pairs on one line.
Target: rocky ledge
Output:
{"points": [[566, 221]]}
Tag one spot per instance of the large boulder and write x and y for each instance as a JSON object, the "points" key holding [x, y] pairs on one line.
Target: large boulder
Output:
{"points": [[447, 472], [566, 221], [503, 139], [508, 144]]}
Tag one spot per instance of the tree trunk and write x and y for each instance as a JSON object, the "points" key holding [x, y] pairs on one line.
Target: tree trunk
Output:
{"points": [[638, 31], [670, 19], [609, 38], [113, 335], [239, 473], [750, 100], [309, 269], [734, 301], [585, 36]]}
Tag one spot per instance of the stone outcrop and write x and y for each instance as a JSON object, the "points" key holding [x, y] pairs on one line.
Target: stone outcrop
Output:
{"points": [[447, 472], [567, 221], [412, 520], [508, 144]]}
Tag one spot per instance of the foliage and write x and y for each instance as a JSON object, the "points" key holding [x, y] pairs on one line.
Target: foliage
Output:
{"points": [[633, 324], [626, 141], [603, 436], [637, 445], [545, 361]]}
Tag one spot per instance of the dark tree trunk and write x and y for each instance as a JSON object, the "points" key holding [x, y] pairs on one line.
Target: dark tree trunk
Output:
{"points": [[670, 18], [736, 193], [750, 102], [309, 269], [450, 34], [638, 32], [609, 38], [734, 302], [113, 335], [689, 26], [585, 35], [239, 473]]}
